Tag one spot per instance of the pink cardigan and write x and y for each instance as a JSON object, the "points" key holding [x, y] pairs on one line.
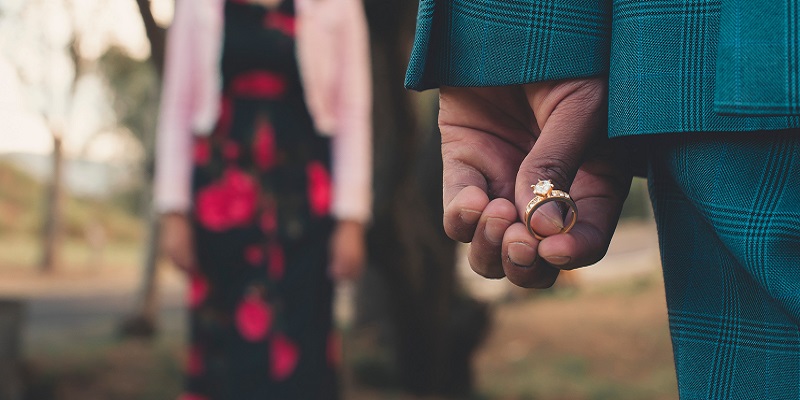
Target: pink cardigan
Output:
{"points": [[333, 53]]}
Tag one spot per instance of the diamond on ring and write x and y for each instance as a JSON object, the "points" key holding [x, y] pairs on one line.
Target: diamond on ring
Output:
{"points": [[542, 188]]}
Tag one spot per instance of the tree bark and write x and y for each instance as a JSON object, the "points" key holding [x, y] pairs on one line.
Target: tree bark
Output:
{"points": [[142, 321], [156, 35], [52, 232], [436, 329]]}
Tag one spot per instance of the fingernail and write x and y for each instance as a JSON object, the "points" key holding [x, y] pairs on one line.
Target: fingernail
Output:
{"points": [[521, 255], [469, 217], [494, 230], [558, 260]]}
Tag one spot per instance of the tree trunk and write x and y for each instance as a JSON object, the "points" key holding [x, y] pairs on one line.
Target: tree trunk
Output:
{"points": [[52, 232], [436, 329], [156, 35], [143, 320]]}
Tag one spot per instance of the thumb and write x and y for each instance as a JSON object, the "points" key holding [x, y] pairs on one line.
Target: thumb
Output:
{"points": [[571, 115]]}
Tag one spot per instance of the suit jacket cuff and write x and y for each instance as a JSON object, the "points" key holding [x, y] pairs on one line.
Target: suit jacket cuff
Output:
{"points": [[504, 42]]}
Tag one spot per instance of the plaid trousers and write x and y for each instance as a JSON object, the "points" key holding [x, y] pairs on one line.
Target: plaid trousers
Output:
{"points": [[728, 214]]}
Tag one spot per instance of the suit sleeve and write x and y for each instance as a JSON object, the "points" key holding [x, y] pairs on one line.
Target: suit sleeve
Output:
{"points": [[504, 42]]}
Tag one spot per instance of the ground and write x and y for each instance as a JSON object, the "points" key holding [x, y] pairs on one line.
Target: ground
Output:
{"points": [[601, 336]]}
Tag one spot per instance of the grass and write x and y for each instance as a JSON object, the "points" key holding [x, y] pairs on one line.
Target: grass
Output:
{"points": [[22, 211], [129, 370], [608, 342], [94, 231], [22, 253]]}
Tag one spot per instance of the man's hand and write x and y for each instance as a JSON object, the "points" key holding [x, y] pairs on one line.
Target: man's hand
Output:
{"points": [[177, 241], [497, 142]]}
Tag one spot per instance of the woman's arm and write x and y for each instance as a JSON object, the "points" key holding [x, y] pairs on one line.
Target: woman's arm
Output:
{"points": [[352, 138], [173, 135], [172, 181], [352, 144]]}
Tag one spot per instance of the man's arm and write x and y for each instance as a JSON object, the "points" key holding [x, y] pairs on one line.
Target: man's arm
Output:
{"points": [[506, 42]]}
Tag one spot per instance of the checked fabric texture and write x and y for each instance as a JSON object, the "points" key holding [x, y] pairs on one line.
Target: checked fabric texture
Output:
{"points": [[730, 242], [673, 65]]}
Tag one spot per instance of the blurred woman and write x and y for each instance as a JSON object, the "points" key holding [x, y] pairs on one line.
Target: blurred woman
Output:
{"points": [[263, 180]]}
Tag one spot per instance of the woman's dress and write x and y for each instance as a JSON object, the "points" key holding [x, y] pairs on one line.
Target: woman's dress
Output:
{"points": [[260, 299]]}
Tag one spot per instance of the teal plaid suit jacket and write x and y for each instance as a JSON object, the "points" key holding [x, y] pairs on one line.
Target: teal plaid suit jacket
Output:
{"points": [[673, 65]]}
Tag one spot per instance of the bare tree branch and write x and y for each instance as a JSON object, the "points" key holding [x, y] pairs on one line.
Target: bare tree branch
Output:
{"points": [[155, 34]]}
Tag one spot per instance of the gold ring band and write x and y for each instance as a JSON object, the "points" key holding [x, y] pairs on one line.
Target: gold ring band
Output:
{"points": [[545, 193]]}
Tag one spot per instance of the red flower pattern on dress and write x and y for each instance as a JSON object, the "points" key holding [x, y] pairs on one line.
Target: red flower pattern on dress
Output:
{"points": [[202, 151], [198, 289], [194, 361], [284, 355], [228, 203], [269, 220], [334, 349], [319, 188], [253, 318], [264, 146], [258, 85], [225, 116], [254, 254], [230, 150], [277, 262], [281, 22], [192, 396]]}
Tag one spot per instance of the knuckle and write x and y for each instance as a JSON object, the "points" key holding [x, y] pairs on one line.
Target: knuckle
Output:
{"points": [[555, 169], [456, 230], [485, 259]]}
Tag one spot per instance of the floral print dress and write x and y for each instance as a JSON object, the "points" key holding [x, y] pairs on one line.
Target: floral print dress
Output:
{"points": [[260, 298]]}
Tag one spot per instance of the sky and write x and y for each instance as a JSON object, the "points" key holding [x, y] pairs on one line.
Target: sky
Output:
{"points": [[36, 73]]}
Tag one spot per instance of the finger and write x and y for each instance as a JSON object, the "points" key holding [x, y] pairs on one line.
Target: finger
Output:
{"points": [[600, 202], [462, 214], [477, 163], [549, 219], [571, 116], [521, 265], [485, 249]]}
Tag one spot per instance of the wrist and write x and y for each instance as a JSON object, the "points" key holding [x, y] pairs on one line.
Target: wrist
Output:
{"points": [[169, 216], [350, 224]]}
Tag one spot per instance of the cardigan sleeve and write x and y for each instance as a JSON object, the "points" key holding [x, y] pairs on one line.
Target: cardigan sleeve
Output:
{"points": [[504, 42], [352, 138], [172, 179]]}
